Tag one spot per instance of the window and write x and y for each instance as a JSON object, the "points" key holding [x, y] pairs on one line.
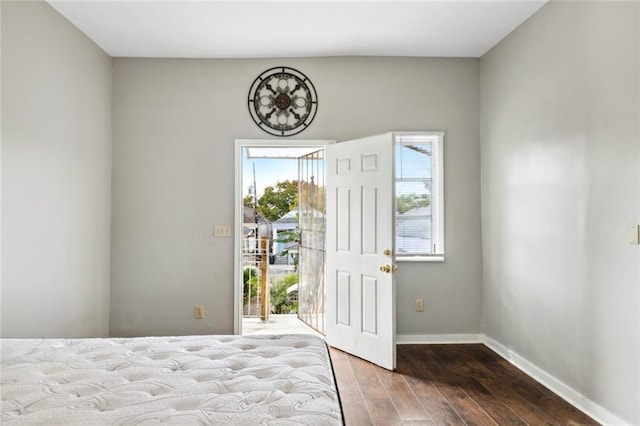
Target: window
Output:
{"points": [[419, 196]]}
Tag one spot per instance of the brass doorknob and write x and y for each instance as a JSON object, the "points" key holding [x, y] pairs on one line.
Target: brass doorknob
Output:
{"points": [[388, 268], [387, 252]]}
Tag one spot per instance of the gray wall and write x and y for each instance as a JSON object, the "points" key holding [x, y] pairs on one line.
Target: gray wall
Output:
{"points": [[560, 191], [175, 122], [56, 172]]}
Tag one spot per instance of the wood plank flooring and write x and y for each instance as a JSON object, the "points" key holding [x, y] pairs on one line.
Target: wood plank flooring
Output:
{"points": [[446, 385]]}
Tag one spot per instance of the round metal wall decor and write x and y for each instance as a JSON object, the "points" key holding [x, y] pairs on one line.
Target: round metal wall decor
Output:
{"points": [[283, 101]]}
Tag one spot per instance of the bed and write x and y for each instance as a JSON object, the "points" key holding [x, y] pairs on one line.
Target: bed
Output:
{"points": [[236, 380]]}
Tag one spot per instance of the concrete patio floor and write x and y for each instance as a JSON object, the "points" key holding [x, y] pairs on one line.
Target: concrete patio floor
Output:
{"points": [[277, 324]]}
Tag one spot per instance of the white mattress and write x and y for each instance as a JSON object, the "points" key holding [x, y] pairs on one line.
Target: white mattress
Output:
{"points": [[237, 380]]}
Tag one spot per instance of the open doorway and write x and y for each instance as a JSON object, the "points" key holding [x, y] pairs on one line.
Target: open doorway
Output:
{"points": [[280, 203], [366, 220]]}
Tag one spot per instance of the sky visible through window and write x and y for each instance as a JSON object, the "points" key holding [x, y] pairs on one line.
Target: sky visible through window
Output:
{"points": [[268, 172]]}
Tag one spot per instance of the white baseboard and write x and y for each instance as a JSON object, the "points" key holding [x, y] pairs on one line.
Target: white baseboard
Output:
{"points": [[567, 393], [405, 339]]}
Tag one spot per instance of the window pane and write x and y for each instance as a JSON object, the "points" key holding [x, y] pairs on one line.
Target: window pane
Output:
{"points": [[413, 198], [413, 235], [413, 161], [413, 195]]}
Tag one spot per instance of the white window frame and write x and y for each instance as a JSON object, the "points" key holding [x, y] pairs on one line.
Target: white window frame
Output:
{"points": [[437, 196]]}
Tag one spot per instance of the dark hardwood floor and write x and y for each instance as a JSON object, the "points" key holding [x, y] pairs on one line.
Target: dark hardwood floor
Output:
{"points": [[447, 385]]}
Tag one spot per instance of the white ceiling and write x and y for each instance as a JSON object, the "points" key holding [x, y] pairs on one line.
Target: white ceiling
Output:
{"points": [[296, 28]]}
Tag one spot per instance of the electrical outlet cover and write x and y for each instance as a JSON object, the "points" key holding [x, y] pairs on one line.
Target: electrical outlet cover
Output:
{"points": [[222, 231], [634, 234], [198, 312]]}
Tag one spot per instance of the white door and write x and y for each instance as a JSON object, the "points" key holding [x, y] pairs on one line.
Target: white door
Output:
{"points": [[360, 246]]}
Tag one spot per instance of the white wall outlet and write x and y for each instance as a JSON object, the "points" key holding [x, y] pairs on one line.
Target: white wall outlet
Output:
{"points": [[222, 231], [419, 305], [634, 234], [198, 312]]}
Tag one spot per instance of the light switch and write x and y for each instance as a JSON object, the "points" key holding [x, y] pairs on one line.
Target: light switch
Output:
{"points": [[222, 231], [634, 234]]}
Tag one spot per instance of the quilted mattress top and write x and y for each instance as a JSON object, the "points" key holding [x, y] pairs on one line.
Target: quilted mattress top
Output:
{"points": [[237, 380]]}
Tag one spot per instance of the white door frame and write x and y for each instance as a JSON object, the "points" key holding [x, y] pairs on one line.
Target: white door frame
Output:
{"points": [[237, 233]]}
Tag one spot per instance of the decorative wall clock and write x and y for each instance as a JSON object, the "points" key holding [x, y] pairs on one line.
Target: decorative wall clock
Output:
{"points": [[283, 101]]}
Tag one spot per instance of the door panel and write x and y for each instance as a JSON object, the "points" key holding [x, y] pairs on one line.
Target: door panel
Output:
{"points": [[343, 296], [343, 222], [369, 221], [369, 305], [360, 226]]}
